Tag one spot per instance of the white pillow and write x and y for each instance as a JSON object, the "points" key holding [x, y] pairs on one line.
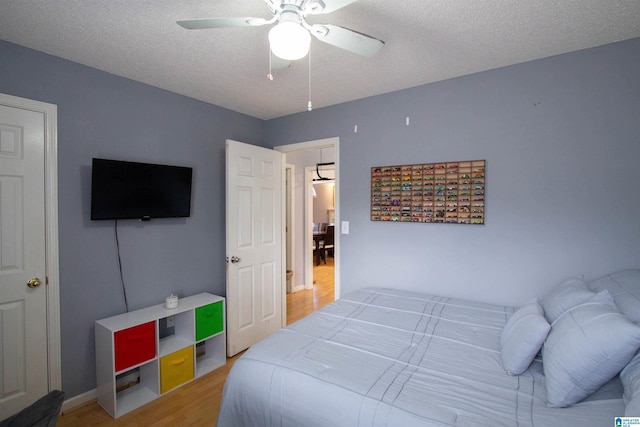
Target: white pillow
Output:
{"points": [[568, 294], [586, 347], [522, 337], [630, 377], [624, 287]]}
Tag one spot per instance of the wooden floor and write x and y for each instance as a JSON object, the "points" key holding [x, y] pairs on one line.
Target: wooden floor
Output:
{"points": [[302, 303], [198, 403]]}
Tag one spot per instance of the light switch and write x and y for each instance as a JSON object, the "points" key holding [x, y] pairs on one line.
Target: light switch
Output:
{"points": [[345, 227]]}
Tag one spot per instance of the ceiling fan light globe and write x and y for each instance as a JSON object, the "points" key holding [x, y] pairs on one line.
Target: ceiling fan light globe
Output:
{"points": [[289, 40]]}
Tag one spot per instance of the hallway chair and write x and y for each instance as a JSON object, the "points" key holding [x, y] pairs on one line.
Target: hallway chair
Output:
{"points": [[327, 244]]}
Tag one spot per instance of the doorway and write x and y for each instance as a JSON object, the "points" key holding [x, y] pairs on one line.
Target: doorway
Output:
{"points": [[300, 256]]}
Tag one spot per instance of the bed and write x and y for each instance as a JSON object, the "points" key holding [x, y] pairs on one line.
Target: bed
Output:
{"points": [[387, 357]]}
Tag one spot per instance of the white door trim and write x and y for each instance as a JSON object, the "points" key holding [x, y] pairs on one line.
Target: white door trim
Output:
{"points": [[308, 219], [50, 113], [290, 229], [317, 144]]}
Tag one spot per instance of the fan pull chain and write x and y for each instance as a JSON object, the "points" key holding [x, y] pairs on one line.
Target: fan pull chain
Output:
{"points": [[309, 106], [270, 75]]}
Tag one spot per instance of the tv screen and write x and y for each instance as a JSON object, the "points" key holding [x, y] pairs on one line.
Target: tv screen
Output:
{"points": [[129, 190]]}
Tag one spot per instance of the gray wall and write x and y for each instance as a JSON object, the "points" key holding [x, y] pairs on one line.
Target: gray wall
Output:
{"points": [[101, 115], [561, 137]]}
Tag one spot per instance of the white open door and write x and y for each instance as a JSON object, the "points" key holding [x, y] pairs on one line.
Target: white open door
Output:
{"points": [[255, 250], [23, 294]]}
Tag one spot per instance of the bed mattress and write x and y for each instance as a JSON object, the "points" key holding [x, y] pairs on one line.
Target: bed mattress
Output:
{"points": [[396, 358]]}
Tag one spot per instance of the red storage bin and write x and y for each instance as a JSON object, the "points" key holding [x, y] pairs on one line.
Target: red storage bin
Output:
{"points": [[135, 345]]}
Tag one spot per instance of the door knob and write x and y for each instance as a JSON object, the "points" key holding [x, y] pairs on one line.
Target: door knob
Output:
{"points": [[234, 259], [33, 282]]}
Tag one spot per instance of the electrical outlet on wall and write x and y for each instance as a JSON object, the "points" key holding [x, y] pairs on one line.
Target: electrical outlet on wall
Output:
{"points": [[171, 321]]}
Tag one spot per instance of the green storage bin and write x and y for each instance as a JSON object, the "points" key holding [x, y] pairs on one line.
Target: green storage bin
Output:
{"points": [[209, 320]]}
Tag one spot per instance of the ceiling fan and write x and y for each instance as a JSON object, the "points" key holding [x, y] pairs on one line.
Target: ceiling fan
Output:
{"points": [[291, 37]]}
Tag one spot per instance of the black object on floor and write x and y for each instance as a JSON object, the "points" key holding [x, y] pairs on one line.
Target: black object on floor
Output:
{"points": [[41, 413]]}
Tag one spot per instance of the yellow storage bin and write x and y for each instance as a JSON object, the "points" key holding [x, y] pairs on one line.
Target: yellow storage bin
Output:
{"points": [[176, 369]]}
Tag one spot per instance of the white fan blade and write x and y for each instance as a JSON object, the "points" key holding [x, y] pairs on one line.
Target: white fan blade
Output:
{"points": [[317, 7], [273, 5], [206, 23], [347, 39]]}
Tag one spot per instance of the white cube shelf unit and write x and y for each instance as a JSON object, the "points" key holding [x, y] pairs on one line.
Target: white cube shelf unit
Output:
{"points": [[142, 344]]}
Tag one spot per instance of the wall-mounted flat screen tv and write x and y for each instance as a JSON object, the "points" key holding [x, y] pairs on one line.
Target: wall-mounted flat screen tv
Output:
{"points": [[130, 190]]}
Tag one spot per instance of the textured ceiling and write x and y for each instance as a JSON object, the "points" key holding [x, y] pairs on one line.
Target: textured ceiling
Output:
{"points": [[426, 41]]}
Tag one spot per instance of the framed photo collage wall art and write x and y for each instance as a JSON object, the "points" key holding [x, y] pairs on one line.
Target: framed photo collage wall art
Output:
{"points": [[451, 192]]}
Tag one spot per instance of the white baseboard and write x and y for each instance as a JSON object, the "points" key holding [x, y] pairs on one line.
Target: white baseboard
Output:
{"points": [[78, 400], [298, 288]]}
